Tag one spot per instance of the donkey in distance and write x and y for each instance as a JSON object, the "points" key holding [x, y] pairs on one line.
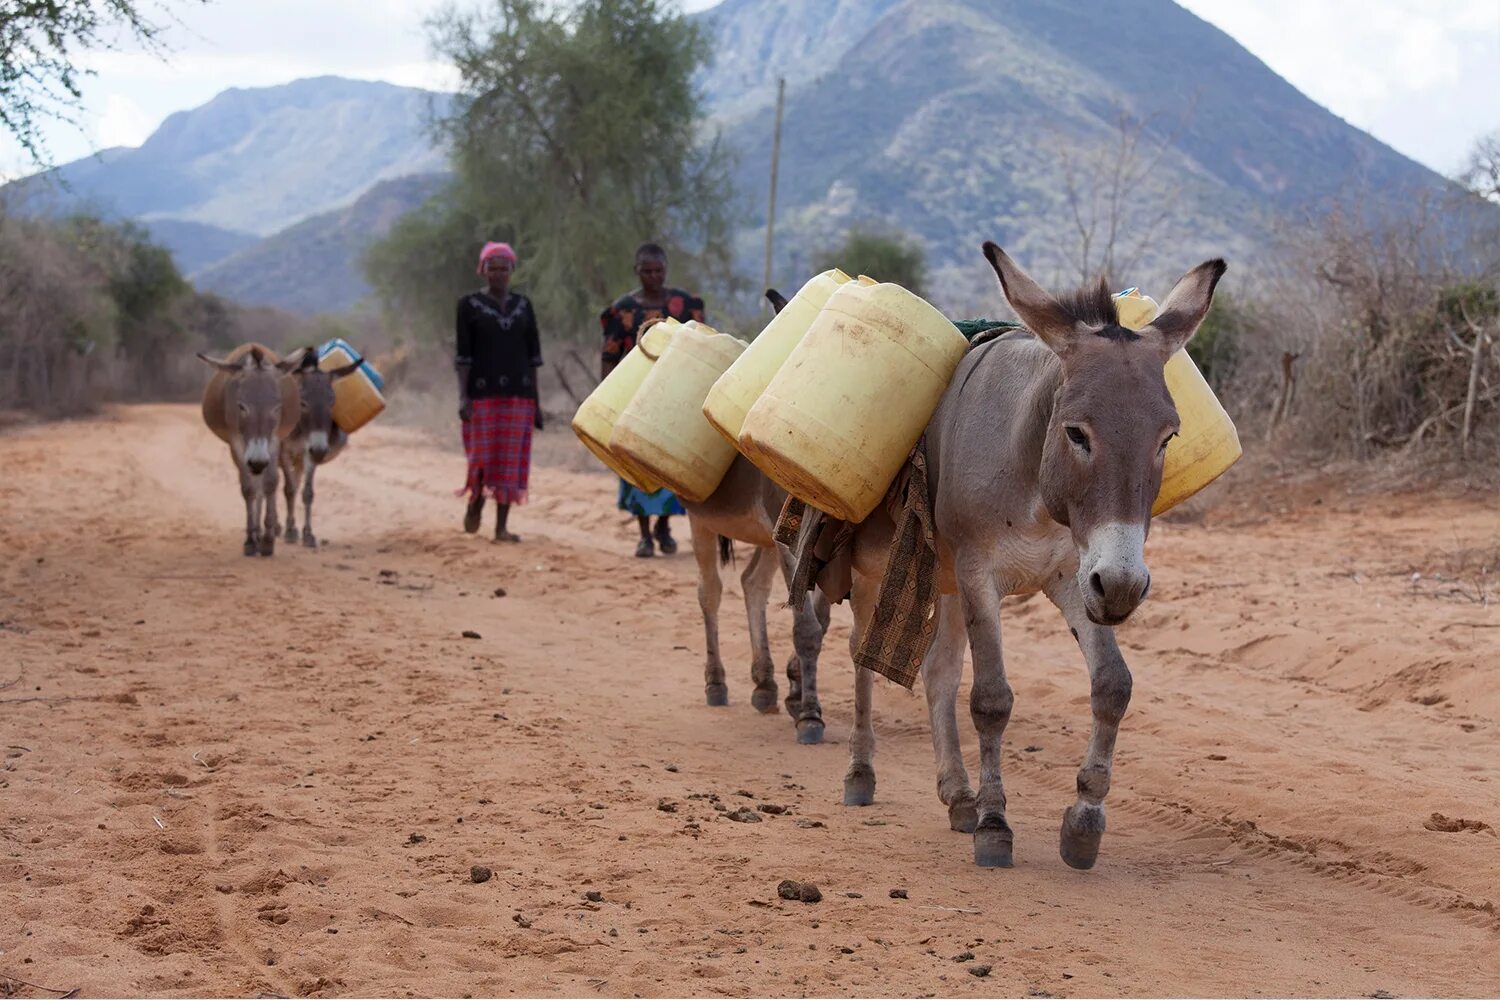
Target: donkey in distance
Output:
{"points": [[251, 406], [315, 441]]}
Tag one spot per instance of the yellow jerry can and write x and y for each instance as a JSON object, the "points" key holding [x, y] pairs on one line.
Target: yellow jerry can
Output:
{"points": [[1206, 444], [663, 431], [357, 398], [738, 388], [595, 420], [842, 414]]}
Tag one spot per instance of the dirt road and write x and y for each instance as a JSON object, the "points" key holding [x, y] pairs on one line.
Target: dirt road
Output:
{"points": [[231, 775]]}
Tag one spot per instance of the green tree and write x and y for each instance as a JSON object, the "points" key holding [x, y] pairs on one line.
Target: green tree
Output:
{"points": [[1215, 347], [884, 256], [576, 135], [40, 41]]}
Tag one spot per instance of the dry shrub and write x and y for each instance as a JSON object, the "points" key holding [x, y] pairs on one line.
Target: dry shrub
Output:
{"points": [[1361, 343]]}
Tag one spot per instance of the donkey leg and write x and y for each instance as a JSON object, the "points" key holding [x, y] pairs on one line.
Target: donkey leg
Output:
{"points": [[756, 581], [291, 475], [990, 703], [250, 491], [794, 662], [270, 480], [859, 780], [809, 622], [308, 539], [1109, 696], [941, 673], [710, 593]]}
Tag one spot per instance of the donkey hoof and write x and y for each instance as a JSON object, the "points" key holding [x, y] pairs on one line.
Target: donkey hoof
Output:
{"points": [[250, 547], [308, 540], [268, 544], [963, 815], [859, 786], [291, 534], [764, 698], [793, 705], [1082, 831], [810, 732], [718, 694], [993, 844]]}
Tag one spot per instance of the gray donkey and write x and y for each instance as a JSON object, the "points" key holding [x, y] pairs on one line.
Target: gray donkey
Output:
{"points": [[315, 441], [250, 405], [744, 509], [1044, 456]]}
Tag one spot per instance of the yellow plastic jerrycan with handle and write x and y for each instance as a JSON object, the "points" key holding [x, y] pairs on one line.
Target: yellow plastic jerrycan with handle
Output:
{"points": [[663, 431], [1206, 444], [840, 417], [595, 420], [738, 388]]}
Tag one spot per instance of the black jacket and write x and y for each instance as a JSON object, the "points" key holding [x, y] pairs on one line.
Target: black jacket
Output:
{"points": [[500, 344]]}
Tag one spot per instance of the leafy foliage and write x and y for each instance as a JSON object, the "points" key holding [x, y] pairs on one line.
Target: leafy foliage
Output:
{"points": [[884, 256], [575, 137], [39, 45]]}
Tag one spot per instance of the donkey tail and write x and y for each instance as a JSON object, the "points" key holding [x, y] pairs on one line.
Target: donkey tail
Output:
{"points": [[726, 550]]}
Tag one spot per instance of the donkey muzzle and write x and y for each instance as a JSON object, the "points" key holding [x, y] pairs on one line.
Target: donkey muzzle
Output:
{"points": [[1112, 574], [317, 446], [257, 455]]}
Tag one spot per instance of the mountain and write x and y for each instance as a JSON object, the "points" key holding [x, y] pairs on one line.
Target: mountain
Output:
{"points": [[952, 120], [256, 160], [313, 266], [196, 245]]}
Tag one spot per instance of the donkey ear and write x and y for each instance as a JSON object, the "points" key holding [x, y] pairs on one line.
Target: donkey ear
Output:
{"points": [[1186, 305], [1039, 312], [777, 300], [228, 367], [346, 370]]}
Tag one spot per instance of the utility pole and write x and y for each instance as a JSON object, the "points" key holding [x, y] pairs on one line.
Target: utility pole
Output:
{"points": [[775, 162]]}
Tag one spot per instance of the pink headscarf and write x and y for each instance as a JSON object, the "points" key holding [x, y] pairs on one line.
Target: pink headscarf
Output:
{"points": [[495, 250]]}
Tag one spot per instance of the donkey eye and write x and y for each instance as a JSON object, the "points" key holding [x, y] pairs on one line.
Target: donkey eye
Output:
{"points": [[1167, 441], [1079, 437]]}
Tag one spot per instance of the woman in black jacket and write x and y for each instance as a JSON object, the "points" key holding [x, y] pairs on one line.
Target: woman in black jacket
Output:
{"points": [[499, 351]]}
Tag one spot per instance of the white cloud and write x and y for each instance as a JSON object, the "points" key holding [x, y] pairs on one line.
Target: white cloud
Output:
{"points": [[123, 123], [1421, 76]]}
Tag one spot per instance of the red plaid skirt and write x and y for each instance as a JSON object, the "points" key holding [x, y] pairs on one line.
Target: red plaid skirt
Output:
{"points": [[497, 439]]}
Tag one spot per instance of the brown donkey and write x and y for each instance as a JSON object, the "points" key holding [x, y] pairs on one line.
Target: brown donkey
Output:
{"points": [[315, 441], [744, 509], [251, 406], [1045, 455]]}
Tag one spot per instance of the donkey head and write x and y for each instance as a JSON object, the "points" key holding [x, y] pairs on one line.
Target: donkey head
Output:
{"points": [[315, 386], [1111, 420], [252, 405]]}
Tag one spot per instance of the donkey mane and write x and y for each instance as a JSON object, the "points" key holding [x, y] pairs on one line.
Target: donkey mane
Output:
{"points": [[1094, 306]]}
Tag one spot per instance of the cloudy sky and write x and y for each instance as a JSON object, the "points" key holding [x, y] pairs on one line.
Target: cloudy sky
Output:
{"points": [[1421, 75]]}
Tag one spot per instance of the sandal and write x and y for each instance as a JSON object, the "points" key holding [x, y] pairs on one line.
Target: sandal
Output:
{"points": [[646, 549], [666, 541]]}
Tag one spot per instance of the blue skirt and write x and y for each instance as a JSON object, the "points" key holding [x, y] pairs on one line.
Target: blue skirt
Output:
{"points": [[662, 503]]}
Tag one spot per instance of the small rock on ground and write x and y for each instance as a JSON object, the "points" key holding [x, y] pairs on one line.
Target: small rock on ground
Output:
{"points": [[479, 873]]}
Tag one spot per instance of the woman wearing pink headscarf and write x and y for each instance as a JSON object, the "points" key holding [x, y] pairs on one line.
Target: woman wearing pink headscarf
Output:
{"points": [[499, 351]]}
